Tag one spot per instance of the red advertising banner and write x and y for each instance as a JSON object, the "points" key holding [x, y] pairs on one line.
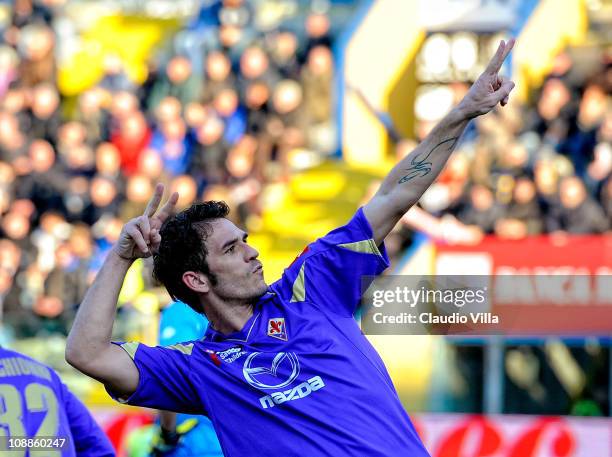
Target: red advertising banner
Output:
{"points": [[444, 435], [457, 435], [541, 284], [579, 254]]}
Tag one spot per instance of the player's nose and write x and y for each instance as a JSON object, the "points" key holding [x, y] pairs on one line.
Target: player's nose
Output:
{"points": [[251, 253]]}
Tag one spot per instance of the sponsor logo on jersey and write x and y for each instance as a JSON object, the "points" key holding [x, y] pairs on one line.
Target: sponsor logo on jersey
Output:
{"points": [[231, 355], [300, 391], [277, 328], [269, 370]]}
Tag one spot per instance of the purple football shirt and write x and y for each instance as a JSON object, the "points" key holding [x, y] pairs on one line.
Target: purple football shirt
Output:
{"points": [[300, 379], [35, 404]]}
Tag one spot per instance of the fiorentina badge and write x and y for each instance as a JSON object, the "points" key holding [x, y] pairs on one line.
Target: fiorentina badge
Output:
{"points": [[277, 329]]}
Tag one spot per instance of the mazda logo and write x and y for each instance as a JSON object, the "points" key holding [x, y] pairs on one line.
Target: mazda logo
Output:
{"points": [[266, 370]]}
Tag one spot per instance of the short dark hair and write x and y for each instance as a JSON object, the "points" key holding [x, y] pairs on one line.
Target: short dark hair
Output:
{"points": [[183, 249]]}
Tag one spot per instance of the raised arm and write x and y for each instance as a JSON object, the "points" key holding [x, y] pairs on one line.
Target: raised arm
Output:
{"points": [[89, 348], [411, 177]]}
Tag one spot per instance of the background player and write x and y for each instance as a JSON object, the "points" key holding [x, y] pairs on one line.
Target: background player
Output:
{"points": [[35, 403]]}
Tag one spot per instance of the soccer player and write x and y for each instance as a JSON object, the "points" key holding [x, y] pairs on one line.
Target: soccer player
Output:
{"points": [[283, 370], [39, 413], [183, 435]]}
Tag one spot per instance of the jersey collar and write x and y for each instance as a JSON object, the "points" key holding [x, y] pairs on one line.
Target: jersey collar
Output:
{"points": [[241, 336]]}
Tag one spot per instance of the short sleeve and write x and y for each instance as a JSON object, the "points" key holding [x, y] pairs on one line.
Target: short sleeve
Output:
{"points": [[329, 272], [89, 439], [164, 381]]}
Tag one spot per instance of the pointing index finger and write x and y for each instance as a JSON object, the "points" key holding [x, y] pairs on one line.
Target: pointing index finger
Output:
{"points": [[155, 201]]}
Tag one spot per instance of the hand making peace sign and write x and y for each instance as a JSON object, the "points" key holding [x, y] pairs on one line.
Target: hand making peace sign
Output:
{"points": [[140, 236], [490, 88]]}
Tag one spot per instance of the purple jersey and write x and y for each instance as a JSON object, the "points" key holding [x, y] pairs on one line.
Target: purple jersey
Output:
{"points": [[35, 404], [300, 378]]}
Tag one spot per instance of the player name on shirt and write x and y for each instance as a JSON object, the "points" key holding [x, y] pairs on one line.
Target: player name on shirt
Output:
{"points": [[16, 366]]}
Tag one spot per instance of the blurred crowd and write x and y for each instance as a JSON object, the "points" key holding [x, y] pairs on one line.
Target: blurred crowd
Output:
{"points": [[536, 168], [227, 109]]}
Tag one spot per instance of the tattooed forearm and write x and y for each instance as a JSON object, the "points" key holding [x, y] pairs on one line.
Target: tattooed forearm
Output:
{"points": [[420, 166]]}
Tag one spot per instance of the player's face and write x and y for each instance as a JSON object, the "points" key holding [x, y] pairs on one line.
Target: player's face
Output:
{"points": [[234, 263]]}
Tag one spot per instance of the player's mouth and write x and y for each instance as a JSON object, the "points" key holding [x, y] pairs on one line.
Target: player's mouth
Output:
{"points": [[258, 269]]}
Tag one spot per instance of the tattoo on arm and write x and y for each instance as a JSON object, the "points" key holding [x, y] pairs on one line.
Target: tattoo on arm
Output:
{"points": [[420, 166]]}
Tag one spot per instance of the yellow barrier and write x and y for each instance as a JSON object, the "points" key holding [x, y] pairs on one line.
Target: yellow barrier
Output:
{"points": [[378, 62], [131, 38], [554, 25]]}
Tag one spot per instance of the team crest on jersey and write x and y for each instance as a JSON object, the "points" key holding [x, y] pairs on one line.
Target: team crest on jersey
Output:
{"points": [[277, 328]]}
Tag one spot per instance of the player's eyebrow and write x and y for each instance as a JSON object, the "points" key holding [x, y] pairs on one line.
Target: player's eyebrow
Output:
{"points": [[227, 244]]}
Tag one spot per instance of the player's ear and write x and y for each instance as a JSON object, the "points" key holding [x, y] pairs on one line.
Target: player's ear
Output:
{"points": [[197, 282]]}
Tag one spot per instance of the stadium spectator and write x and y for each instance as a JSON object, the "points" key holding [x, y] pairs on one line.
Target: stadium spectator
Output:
{"points": [[115, 79], [131, 138], [579, 214], [178, 81], [481, 209], [219, 75]]}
